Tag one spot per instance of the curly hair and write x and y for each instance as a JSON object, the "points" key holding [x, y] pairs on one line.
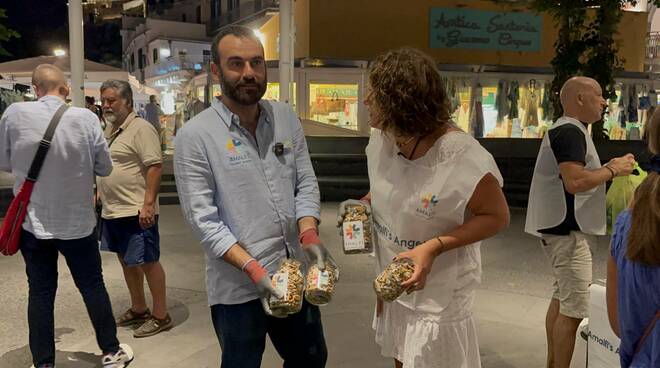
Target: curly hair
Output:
{"points": [[408, 93]]}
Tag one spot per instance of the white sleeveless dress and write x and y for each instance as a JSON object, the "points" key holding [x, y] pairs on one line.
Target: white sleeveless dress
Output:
{"points": [[412, 202]]}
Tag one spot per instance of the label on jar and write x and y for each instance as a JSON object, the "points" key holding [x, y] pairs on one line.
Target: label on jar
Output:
{"points": [[322, 279], [354, 235], [281, 283]]}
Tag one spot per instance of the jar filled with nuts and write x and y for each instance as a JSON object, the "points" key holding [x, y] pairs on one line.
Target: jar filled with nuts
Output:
{"points": [[388, 284], [356, 230], [320, 285], [289, 280]]}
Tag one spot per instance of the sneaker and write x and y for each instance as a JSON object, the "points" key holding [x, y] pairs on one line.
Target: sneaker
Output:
{"points": [[120, 359], [130, 318], [153, 326]]}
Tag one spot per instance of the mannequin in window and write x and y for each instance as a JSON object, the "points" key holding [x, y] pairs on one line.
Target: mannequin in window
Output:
{"points": [[530, 102]]}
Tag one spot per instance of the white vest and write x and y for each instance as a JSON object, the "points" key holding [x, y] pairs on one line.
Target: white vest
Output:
{"points": [[414, 201], [547, 202]]}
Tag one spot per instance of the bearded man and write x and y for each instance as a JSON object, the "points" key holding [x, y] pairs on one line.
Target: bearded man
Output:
{"points": [[248, 190], [130, 208]]}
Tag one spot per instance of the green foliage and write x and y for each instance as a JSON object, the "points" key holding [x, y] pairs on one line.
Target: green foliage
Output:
{"points": [[5, 34]]}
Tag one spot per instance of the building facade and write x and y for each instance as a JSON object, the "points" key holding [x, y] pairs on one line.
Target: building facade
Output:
{"points": [[100, 11]]}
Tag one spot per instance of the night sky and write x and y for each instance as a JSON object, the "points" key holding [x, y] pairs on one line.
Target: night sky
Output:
{"points": [[43, 26]]}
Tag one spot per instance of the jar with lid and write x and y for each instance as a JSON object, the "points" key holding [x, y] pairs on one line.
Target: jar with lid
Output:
{"points": [[357, 233], [320, 285], [388, 284], [290, 281]]}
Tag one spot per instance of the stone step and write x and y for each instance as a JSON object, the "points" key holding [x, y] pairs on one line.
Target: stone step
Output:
{"points": [[167, 186], [168, 198]]}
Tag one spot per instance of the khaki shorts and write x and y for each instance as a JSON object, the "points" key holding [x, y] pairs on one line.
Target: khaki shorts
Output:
{"points": [[570, 257]]}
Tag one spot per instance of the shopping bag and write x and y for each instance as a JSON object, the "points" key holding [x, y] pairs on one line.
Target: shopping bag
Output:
{"points": [[10, 230], [620, 195]]}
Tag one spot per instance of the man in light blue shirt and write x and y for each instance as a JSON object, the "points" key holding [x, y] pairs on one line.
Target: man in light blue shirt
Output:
{"points": [[60, 216], [248, 190]]}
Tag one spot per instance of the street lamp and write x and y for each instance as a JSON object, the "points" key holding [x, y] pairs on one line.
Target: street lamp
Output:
{"points": [[59, 52]]}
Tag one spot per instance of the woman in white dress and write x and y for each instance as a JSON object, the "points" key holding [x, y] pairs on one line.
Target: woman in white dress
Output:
{"points": [[435, 194]]}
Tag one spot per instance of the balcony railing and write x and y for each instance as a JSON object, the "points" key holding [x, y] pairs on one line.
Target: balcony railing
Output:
{"points": [[653, 45], [244, 10], [652, 52], [193, 63]]}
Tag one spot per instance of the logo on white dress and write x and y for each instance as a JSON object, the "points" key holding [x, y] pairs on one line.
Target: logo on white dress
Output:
{"points": [[427, 204]]}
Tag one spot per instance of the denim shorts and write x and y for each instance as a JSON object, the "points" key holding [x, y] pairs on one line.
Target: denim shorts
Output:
{"points": [[125, 237]]}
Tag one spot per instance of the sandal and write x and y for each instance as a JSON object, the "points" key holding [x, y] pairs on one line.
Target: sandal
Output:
{"points": [[131, 318], [153, 326]]}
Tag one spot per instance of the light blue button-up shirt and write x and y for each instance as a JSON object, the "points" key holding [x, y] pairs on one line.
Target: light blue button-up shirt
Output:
{"points": [[233, 188], [61, 205]]}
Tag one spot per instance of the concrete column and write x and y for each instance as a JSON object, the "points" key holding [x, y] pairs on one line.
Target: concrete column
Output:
{"points": [[286, 50], [77, 53]]}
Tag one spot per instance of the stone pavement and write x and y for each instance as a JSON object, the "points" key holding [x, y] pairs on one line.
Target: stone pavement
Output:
{"points": [[509, 311]]}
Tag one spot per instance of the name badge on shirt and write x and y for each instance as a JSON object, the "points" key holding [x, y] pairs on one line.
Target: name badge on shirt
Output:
{"points": [[237, 153]]}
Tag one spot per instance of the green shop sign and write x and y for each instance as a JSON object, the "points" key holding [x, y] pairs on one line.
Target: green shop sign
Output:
{"points": [[477, 29]]}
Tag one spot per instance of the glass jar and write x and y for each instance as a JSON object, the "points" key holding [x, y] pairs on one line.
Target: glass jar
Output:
{"points": [[357, 230], [388, 284], [289, 280], [320, 285]]}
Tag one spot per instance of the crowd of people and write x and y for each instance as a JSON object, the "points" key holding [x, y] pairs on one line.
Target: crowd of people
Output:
{"points": [[249, 193]]}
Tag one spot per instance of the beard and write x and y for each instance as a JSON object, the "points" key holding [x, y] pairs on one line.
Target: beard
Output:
{"points": [[244, 92], [110, 117], [115, 117]]}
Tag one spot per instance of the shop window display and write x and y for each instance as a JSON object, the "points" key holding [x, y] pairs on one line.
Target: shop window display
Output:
{"points": [[499, 108], [273, 93], [334, 104], [629, 112]]}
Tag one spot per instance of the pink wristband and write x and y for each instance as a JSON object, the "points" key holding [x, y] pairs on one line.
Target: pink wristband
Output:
{"points": [[309, 237], [254, 270]]}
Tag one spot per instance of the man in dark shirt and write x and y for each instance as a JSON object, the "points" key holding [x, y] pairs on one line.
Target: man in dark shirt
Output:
{"points": [[569, 145], [567, 210]]}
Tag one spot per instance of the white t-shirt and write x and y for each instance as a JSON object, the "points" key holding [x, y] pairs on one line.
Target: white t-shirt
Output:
{"points": [[414, 201]]}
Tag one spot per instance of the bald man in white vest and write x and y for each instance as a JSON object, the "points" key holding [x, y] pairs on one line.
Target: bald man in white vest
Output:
{"points": [[567, 209]]}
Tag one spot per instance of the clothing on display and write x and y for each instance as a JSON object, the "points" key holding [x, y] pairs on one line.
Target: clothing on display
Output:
{"points": [[501, 101], [653, 98], [477, 113], [623, 106], [455, 99], [461, 99], [513, 97], [632, 104], [530, 101], [546, 106]]}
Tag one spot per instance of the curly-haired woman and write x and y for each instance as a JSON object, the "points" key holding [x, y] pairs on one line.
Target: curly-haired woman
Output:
{"points": [[633, 269], [435, 194]]}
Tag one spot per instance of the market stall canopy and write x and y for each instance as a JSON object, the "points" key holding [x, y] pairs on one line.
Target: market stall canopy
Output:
{"points": [[23, 66], [20, 72]]}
